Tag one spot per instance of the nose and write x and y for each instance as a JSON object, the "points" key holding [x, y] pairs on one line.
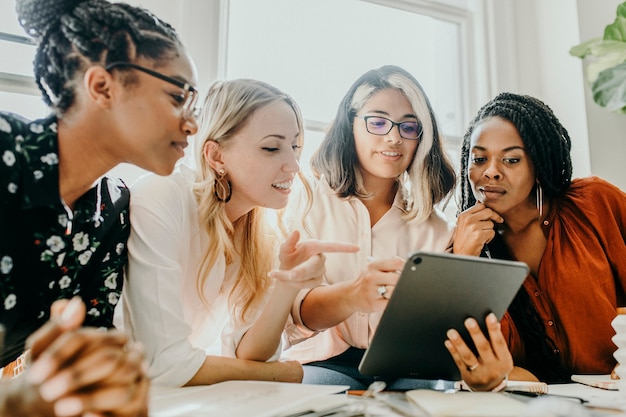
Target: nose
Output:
{"points": [[492, 171], [292, 164], [394, 135], [190, 126]]}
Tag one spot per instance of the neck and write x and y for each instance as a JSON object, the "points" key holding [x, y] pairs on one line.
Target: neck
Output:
{"points": [[522, 217], [82, 157]]}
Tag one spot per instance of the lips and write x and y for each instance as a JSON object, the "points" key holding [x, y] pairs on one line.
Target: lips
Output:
{"points": [[491, 192]]}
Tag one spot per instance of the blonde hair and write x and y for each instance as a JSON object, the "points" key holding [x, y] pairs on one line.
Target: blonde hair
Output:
{"points": [[227, 107]]}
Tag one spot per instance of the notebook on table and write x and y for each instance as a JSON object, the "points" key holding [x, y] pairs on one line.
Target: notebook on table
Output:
{"points": [[436, 292]]}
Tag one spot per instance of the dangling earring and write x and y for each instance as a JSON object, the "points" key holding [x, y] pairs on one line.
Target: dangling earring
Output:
{"points": [[540, 200], [221, 187]]}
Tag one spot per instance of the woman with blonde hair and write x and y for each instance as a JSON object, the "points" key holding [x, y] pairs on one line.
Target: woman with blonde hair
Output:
{"points": [[379, 173], [202, 253]]}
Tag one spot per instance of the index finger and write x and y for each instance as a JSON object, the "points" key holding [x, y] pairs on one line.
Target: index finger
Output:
{"points": [[327, 246]]}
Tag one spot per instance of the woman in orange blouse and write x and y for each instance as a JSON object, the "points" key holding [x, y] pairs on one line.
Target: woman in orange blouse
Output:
{"points": [[519, 202]]}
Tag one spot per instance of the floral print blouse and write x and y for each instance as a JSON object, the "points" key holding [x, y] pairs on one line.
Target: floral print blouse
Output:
{"points": [[47, 250]]}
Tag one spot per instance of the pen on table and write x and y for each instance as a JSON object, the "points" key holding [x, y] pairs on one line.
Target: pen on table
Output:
{"points": [[536, 394]]}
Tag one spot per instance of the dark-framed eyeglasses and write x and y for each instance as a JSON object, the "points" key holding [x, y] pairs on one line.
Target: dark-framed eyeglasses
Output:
{"points": [[190, 97], [378, 125]]}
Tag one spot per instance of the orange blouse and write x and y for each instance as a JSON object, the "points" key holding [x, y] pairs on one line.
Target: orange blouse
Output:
{"points": [[582, 277]]}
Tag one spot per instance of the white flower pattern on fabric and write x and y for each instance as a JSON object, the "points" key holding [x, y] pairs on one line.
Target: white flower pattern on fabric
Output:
{"points": [[50, 159], [10, 301], [6, 264], [80, 241], [36, 128], [84, 257], [55, 243], [5, 126], [8, 158], [60, 264], [113, 298], [111, 281], [65, 282]]}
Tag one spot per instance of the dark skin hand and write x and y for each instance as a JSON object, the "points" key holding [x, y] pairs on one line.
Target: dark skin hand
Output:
{"points": [[75, 371]]}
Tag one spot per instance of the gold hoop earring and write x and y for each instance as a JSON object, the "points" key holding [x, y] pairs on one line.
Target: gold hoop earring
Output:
{"points": [[540, 200], [221, 187]]}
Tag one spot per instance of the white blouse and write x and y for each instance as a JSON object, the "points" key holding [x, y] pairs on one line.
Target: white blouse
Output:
{"points": [[334, 218], [161, 306]]}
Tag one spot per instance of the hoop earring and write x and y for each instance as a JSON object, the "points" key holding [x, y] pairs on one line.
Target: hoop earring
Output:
{"points": [[540, 200], [221, 187]]}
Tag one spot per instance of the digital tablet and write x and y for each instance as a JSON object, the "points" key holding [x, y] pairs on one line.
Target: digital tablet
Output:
{"points": [[437, 292]]}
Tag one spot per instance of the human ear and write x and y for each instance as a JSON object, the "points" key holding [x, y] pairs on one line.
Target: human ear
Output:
{"points": [[213, 155], [98, 84]]}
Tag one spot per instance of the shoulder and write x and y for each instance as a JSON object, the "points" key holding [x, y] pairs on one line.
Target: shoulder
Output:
{"points": [[171, 192], [593, 191]]}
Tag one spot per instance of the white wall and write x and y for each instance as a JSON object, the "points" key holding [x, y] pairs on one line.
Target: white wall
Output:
{"points": [[531, 46]]}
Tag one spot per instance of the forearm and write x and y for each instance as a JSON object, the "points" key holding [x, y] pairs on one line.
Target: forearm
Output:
{"points": [[262, 339], [327, 306], [219, 368]]}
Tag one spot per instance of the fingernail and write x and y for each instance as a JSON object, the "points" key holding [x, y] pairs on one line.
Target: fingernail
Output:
{"points": [[70, 406], [71, 309], [452, 334], [470, 323], [39, 370], [491, 318], [54, 388], [370, 259]]}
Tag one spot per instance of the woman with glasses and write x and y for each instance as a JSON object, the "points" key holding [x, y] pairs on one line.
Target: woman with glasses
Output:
{"points": [[201, 281], [379, 172], [120, 86], [516, 168]]}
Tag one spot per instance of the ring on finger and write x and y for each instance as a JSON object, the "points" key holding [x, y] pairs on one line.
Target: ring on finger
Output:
{"points": [[382, 290], [472, 367]]}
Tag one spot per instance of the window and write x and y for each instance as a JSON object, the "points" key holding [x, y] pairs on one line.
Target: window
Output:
{"points": [[314, 50], [18, 92]]}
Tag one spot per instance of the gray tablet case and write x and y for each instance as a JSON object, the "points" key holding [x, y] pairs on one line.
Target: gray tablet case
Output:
{"points": [[436, 292]]}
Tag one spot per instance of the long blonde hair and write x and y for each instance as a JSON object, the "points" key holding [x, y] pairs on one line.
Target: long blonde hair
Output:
{"points": [[227, 107]]}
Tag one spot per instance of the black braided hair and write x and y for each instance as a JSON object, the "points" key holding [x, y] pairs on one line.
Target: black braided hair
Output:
{"points": [[75, 34], [548, 145]]}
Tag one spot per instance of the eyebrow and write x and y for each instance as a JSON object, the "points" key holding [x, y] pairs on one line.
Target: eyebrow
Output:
{"points": [[384, 113], [277, 136], [510, 148]]}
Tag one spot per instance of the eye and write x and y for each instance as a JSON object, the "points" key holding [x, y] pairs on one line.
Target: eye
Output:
{"points": [[270, 150], [409, 127], [512, 161], [179, 99], [476, 160], [296, 147]]}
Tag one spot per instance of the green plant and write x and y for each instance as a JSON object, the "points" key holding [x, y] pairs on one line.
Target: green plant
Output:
{"points": [[606, 59]]}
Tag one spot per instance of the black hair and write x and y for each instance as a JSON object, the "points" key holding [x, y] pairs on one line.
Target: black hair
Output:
{"points": [[548, 145], [75, 34]]}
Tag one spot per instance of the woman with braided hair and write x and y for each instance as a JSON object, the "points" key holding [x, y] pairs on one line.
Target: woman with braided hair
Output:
{"points": [[519, 202], [120, 85]]}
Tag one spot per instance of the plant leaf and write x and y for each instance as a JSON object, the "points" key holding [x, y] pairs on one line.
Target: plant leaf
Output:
{"points": [[584, 49], [616, 30], [609, 90]]}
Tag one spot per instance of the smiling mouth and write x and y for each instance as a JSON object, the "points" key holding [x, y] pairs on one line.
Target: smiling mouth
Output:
{"points": [[391, 154], [283, 185]]}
